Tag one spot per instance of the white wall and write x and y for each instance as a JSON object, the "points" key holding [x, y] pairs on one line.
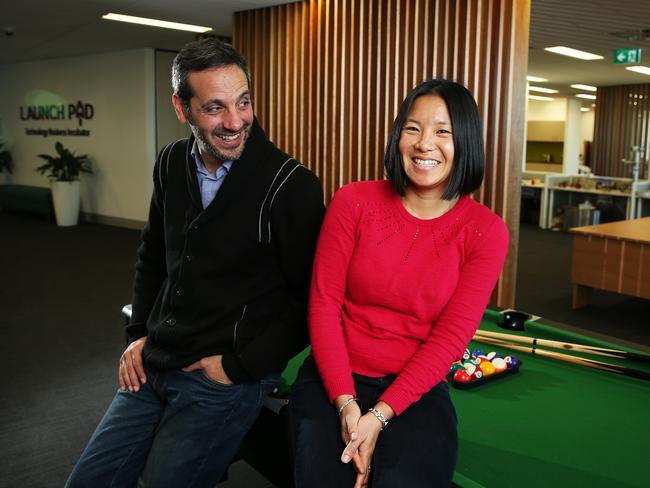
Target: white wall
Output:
{"points": [[549, 111], [168, 127], [579, 126], [588, 125], [121, 144], [572, 137]]}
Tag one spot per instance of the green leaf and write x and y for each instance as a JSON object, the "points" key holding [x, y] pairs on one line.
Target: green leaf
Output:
{"points": [[65, 166]]}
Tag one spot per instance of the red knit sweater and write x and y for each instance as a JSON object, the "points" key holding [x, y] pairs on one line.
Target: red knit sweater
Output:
{"points": [[395, 294]]}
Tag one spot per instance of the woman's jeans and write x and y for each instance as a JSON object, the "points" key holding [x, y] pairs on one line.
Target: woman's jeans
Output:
{"points": [[417, 449]]}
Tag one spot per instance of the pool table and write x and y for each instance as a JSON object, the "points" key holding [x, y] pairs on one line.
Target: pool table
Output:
{"points": [[552, 424]]}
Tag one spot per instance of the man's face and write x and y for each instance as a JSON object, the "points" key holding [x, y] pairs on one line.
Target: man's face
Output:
{"points": [[220, 113]]}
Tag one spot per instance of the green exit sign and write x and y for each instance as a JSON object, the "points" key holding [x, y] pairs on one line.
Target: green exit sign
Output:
{"points": [[627, 56]]}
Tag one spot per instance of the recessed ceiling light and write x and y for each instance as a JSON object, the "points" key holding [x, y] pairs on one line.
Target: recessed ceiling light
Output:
{"points": [[644, 70], [587, 96], [541, 89], [536, 79], [574, 53], [585, 109], [543, 99], [156, 23], [590, 88]]}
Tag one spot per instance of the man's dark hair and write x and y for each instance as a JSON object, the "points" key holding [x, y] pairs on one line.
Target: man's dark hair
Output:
{"points": [[469, 156], [201, 55]]}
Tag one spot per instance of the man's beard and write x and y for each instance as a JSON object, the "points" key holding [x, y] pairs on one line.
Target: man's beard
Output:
{"points": [[206, 147]]}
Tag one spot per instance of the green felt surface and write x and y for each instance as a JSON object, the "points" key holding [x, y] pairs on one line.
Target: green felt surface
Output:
{"points": [[554, 423], [290, 372]]}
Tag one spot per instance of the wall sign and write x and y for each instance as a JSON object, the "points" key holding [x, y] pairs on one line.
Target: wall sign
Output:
{"points": [[627, 56], [57, 112], [56, 132]]}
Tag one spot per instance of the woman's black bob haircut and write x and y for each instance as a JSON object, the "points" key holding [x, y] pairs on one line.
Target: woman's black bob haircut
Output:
{"points": [[469, 156]]}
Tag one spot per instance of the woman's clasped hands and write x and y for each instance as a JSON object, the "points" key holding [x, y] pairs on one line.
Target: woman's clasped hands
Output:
{"points": [[359, 433]]}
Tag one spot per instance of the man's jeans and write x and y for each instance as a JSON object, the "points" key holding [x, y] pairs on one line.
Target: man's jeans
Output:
{"points": [[180, 430]]}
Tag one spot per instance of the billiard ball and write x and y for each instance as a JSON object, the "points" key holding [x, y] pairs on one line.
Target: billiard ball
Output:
{"points": [[470, 368], [492, 355], [511, 361], [488, 368], [499, 364], [467, 355], [455, 367], [477, 375], [461, 376], [478, 352]]}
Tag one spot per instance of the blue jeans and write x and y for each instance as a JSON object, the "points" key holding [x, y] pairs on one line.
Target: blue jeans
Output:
{"points": [[416, 450], [180, 430]]}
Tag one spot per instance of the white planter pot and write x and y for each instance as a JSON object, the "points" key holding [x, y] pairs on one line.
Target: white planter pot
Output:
{"points": [[65, 195]]}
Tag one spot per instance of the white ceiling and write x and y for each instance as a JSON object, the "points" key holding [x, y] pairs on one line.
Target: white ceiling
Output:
{"points": [[47, 29]]}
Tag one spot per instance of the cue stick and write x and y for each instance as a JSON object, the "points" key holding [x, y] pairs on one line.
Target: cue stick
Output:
{"points": [[591, 363], [601, 351]]}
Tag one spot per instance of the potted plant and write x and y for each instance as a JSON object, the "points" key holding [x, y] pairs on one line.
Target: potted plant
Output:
{"points": [[63, 171], [6, 161]]}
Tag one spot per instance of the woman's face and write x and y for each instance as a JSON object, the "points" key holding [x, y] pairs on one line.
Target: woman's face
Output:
{"points": [[427, 146]]}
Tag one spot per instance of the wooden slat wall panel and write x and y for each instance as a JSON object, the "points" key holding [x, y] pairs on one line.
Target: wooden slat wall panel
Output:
{"points": [[622, 120], [329, 76]]}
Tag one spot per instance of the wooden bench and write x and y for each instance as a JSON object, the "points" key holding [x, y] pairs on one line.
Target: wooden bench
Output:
{"points": [[24, 198]]}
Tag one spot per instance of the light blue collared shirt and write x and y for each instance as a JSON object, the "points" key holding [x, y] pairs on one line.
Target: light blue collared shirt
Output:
{"points": [[209, 183]]}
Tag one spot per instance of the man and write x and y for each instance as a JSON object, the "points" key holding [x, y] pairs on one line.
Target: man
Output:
{"points": [[220, 289]]}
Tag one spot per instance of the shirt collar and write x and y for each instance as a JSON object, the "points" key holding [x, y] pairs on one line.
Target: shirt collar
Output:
{"points": [[200, 167]]}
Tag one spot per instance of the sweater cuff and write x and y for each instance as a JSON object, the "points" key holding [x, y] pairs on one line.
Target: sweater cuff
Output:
{"points": [[234, 370], [344, 386], [397, 402]]}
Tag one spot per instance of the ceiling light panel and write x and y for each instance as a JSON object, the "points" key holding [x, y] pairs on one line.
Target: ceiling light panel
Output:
{"points": [[574, 53], [644, 70], [586, 96], [156, 23], [543, 99], [536, 79], [589, 88], [541, 89]]}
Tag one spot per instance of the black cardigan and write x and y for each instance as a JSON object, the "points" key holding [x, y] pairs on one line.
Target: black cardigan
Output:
{"points": [[232, 279]]}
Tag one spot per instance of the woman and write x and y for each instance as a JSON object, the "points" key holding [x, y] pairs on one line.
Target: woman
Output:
{"points": [[402, 274]]}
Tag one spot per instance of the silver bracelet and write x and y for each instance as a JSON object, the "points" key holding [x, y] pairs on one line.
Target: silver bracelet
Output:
{"points": [[380, 417], [346, 403]]}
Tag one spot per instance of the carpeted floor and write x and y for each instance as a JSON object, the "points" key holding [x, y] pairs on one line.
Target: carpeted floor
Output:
{"points": [[61, 295], [544, 288], [62, 335], [60, 300]]}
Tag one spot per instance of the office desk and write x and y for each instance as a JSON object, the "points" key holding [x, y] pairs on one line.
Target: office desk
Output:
{"points": [[613, 257]]}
